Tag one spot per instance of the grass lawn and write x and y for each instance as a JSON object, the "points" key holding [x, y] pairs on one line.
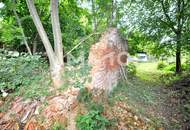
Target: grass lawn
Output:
{"points": [[148, 71], [144, 95]]}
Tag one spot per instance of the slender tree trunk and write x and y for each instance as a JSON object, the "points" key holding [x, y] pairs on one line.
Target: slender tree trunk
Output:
{"points": [[55, 59], [178, 37], [57, 71], [34, 43], [58, 46], [94, 16], [41, 31], [34, 47], [112, 18], [178, 54], [20, 26]]}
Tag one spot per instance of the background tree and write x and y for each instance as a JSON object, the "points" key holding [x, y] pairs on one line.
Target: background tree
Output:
{"points": [[164, 21], [20, 26]]}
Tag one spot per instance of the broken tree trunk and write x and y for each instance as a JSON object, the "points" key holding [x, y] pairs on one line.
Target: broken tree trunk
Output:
{"points": [[107, 58]]}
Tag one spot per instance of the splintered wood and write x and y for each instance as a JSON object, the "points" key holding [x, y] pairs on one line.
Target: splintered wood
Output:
{"points": [[107, 58]]}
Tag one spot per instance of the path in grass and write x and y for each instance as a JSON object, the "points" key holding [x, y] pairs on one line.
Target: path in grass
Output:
{"points": [[147, 96]]}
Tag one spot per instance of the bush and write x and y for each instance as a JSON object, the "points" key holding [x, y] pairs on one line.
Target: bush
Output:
{"points": [[161, 65], [93, 120], [20, 71], [170, 67], [131, 69], [186, 65], [169, 77], [58, 126], [84, 95]]}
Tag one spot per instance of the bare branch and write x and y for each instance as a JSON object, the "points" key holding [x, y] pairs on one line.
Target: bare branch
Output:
{"points": [[20, 26], [81, 41]]}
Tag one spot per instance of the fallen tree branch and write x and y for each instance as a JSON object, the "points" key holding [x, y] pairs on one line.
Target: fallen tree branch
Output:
{"points": [[81, 41]]}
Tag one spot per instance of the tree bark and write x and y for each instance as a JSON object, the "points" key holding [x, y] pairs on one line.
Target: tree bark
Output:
{"points": [[112, 15], [94, 17], [35, 44], [42, 33], [20, 26], [177, 31], [178, 37], [34, 47], [178, 54], [58, 46], [55, 57]]}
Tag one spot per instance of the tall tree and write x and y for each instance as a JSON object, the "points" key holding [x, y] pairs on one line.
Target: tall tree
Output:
{"points": [[176, 27], [165, 21], [93, 4], [55, 56]]}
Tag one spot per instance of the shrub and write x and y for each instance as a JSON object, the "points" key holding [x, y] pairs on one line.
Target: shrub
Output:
{"points": [[161, 65], [169, 77], [58, 126], [186, 65], [131, 69], [170, 67], [20, 71], [84, 95], [93, 120]]}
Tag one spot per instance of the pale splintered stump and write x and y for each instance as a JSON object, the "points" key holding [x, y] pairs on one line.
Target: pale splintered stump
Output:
{"points": [[107, 58]]}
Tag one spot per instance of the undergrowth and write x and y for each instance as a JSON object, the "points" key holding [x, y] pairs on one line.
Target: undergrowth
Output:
{"points": [[24, 75], [94, 119], [58, 126]]}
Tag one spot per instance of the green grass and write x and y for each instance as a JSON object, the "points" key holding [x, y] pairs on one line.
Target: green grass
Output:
{"points": [[148, 71], [142, 93]]}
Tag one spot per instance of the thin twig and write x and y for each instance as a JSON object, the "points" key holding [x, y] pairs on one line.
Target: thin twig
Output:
{"points": [[82, 40]]}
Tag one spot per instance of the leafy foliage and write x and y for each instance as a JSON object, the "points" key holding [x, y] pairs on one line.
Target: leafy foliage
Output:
{"points": [[170, 67], [58, 126], [9, 33], [131, 69], [168, 77], [161, 65], [84, 95], [22, 73], [92, 121]]}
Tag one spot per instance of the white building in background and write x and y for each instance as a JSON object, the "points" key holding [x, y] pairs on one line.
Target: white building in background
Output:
{"points": [[140, 57]]}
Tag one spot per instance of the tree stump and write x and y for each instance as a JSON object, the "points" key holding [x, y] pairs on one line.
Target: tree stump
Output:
{"points": [[107, 58]]}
